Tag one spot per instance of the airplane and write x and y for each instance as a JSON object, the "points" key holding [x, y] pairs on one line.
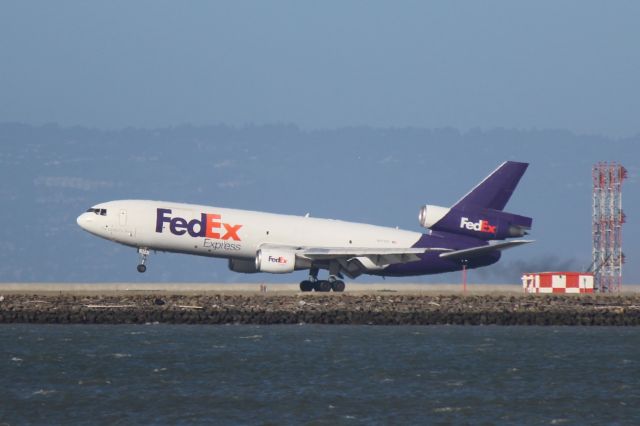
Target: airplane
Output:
{"points": [[470, 234]]}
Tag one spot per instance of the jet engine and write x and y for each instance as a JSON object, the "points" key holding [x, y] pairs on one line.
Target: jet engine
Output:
{"points": [[275, 261], [481, 223], [430, 215], [247, 266]]}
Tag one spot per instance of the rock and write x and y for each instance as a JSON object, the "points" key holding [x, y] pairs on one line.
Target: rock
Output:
{"points": [[324, 309]]}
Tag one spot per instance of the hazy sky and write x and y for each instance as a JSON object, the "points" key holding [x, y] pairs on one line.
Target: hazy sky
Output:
{"points": [[321, 64]]}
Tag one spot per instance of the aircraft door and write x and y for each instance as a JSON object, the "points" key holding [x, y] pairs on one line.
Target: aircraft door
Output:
{"points": [[123, 217]]}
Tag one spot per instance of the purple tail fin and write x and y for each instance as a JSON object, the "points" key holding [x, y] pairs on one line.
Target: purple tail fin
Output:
{"points": [[480, 213], [495, 190]]}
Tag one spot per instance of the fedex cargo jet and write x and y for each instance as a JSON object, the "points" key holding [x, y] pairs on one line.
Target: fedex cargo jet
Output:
{"points": [[470, 234]]}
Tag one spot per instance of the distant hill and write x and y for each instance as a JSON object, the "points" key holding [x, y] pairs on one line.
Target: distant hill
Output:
{"points": [[50, 174]]}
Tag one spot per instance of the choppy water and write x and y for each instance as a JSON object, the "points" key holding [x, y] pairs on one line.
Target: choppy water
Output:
{"points": [[318, 375]]}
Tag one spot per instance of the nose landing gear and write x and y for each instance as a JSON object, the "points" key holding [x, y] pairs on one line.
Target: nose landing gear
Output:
{"points": [[144, 253]]}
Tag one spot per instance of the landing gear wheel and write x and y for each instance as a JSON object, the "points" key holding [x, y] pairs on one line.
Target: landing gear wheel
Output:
{"points": [[144, 253], [323, 286], [306, 285], [338, 286]]}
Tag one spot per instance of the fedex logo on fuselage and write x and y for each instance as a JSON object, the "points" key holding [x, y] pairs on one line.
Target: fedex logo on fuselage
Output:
{"points": [[209, 225], [480, 226]]}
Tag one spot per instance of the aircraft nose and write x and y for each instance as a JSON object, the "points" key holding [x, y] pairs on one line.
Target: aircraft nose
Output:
{"points": [[83, 221]]}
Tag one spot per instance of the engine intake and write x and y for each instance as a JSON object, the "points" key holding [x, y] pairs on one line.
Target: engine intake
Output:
{"points": [[430, 215]]}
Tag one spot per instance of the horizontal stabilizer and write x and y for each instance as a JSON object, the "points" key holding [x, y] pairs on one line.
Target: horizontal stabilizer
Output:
{"points": [[482, 250]]}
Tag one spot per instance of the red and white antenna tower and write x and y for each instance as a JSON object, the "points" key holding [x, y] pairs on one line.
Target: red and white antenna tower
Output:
{"points": [[607, 226]]}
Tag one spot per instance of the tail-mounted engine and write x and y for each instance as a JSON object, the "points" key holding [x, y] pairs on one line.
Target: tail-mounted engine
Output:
{"points": [[486, 224]]}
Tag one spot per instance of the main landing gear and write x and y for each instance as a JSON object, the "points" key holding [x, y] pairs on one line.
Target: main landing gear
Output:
{"points": [[323, 286], [144, 253]]}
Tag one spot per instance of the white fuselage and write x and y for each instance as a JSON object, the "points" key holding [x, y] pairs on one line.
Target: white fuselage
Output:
{"points": [[459, 237], [228, 233]]}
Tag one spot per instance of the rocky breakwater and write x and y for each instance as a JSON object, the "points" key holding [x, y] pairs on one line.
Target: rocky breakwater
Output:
{"points": [[376, 309]]}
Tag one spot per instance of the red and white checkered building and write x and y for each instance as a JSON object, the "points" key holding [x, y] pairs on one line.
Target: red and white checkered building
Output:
{"points": [[557, 282]]}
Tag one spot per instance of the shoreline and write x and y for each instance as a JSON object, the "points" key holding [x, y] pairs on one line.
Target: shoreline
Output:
{"points": [[377, 308]]}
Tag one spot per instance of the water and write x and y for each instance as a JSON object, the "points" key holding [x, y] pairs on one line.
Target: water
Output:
{"points": [[318, 375]]}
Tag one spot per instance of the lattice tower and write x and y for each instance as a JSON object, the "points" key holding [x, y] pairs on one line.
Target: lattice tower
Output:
{"points": [[608, 219]]}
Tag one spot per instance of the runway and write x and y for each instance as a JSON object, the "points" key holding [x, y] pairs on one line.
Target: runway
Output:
{"points": [[271, 288], [249, 288]]}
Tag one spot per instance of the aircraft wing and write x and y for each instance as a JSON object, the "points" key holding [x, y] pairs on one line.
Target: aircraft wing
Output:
{"points": [[480, 250], [378, 256]]}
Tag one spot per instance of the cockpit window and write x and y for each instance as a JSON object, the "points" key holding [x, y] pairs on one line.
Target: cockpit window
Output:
{"points": [[101, 212]]}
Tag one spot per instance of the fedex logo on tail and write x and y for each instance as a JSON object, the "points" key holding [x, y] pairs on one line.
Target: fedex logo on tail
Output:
{"points": [[209, 226], [480, 226]]}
